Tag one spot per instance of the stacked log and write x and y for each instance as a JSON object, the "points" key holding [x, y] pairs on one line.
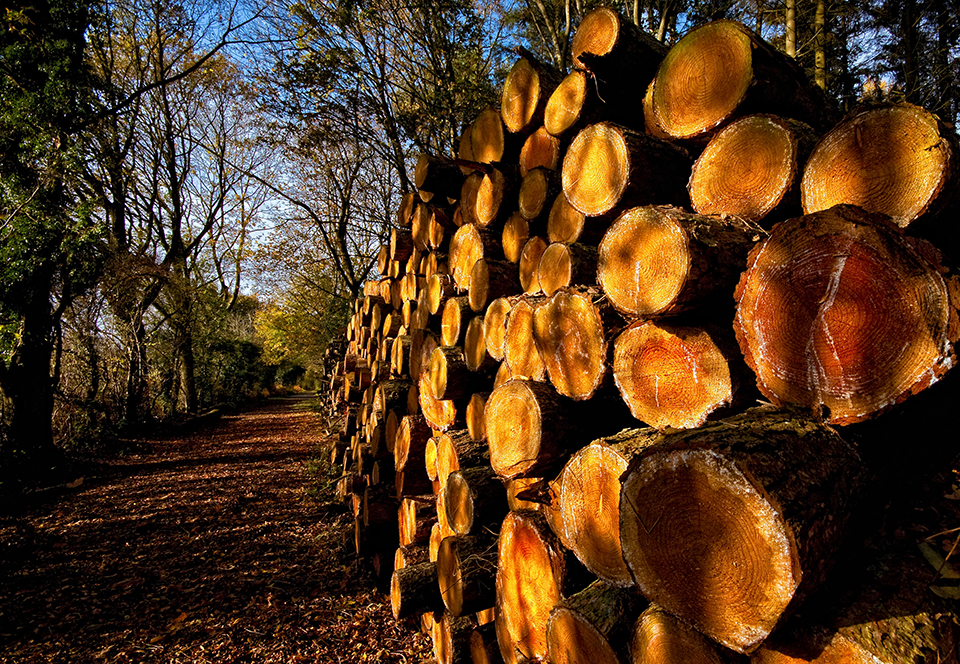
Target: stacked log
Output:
{"points": [[551, 384]]}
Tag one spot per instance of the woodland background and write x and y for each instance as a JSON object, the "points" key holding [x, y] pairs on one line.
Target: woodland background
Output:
{"points": [[192, 196]]}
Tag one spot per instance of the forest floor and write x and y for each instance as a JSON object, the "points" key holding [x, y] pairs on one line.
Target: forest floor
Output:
{"points": [[222, 545]]}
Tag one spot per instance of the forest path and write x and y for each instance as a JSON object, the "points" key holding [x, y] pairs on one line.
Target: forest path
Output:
{"points": [[216, 546]]}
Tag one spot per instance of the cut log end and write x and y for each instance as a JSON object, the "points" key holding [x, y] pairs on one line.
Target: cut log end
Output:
{"points": [[521, 94], [746, 169], [596, 169], [659, 638], [597, 33], [892, 160], [566, 103], [703, 79], [837, 312]]}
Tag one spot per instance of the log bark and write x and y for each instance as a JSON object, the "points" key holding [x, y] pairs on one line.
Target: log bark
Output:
{"points": [[467, 571], [531, 429], [451, 639], [492, 279], [593, 626], [897, 160], [731, 525], [608, 166], [750, 169], [678, 376], [475, 499], [571, 331], [838, 312], [414, 590], [623, 54], [723, 70], [563, 265], [534, 572], [660, 261], [527, 88]]}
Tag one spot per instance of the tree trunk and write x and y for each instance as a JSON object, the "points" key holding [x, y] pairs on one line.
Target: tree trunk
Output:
{"points": [[867, 320], [729, 525], [617, 52], [663, 261]]}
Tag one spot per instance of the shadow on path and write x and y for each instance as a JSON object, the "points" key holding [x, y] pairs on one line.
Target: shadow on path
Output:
{"points": [[209, 548]]}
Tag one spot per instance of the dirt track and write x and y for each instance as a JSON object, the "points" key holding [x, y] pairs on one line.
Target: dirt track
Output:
{"points": [[219, 546]]}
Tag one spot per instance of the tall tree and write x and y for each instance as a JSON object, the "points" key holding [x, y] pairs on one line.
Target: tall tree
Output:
{"points": [[47, 235]]}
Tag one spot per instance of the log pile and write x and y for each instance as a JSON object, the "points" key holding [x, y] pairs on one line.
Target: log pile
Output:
{"points": [[554, 384]]}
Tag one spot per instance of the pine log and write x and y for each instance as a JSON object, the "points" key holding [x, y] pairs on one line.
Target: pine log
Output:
{"points": [[723, 70], [608, 166], [660, 638], [475, 350], [400, 364], [405, 209], [575, 104], [467, 572], [488, 140], [593, 626], [520, 350], [564, 265], [838, 311], [422, 343], [538, 188], [455, 449], [492, 279], [415, 589], [750, 169], [566, 223], [451, 639], [468, 245], [527, 88], [406, 556], [530, 263], [415, 518], [541, 149], [587, 497], [495, 326], [411, 442], [475, 422], [391, 395], [440, 288], [658, 261], [678, 376], [897, 160], [453, 321], [438, 175], [516, 232], [401, 244], [475, 499], [571, 331], [534, 572], [622, 53], [441, 414], [531, 428], [730, 525], [495, 187], [451, 377]]}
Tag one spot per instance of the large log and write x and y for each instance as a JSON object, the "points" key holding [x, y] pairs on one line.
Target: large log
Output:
{"points": [[723, 70], [415, 589], [750, 169], [838, 312], [608, 166], [520, 351], [527, 88], [530, 427], [475, 499], [660, 638], [616, 50], [730, 525], [897, 160], [659, 261], [467, 571]]}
